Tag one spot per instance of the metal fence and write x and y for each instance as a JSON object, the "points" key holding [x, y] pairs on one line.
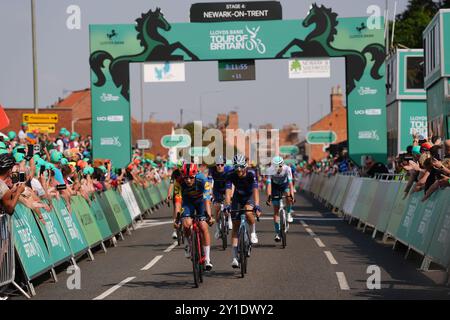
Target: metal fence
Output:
{"points": [[7, 266]]}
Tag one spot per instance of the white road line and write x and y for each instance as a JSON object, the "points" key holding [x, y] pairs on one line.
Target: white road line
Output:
{"points": [[303, 223], [342, 281], [111, 290], [319, 243], [151, 263], [311, 233], [330, 257], [171, 247], [319, 219]]}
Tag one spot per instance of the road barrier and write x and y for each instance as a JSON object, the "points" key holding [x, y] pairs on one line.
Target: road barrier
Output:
{"points": [[382, 205], [64, 236]]}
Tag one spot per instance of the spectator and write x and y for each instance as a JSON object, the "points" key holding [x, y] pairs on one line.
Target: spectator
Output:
{"points": [[373, 168], [23, 131]]}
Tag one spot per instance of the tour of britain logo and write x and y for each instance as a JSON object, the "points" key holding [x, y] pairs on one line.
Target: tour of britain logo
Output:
{"points": [[113, 141], [239, 39], [368, 135]]}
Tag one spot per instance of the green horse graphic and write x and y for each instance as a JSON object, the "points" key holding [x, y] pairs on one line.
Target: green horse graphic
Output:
{"points": [[318, 44], [156, 48]]}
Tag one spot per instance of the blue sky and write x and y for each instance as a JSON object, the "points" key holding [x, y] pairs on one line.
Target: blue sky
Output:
{"points": [[63, 63]]}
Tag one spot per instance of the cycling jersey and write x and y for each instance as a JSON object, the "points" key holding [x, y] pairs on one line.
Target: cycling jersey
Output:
{"points": [[199, 191], [282, 178], [243, 185], [219, 182], [176, 176]]}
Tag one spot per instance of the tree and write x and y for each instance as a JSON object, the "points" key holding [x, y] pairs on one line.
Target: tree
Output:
{"points": [[411, 23]]}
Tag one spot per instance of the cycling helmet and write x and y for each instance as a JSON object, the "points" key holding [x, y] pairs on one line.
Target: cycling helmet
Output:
{"points": [[189, 170], [88, 170], [220, 160], [3, 145], [277, 161], [7, 161], [64, 161], [240, 161], [19, 157]]}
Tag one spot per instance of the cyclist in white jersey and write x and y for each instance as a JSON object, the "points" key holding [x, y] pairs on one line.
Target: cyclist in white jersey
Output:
{"points": [[280, 183]]}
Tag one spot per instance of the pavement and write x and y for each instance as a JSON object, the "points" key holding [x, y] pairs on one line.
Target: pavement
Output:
{"points": [[325, 258]]}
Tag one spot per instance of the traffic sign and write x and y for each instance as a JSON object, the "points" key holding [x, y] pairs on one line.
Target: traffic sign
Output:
{"points": [[176, 141], [40, 118], [321, 137], [289, 150], [42, 128], [199, 151], [144, 144]]}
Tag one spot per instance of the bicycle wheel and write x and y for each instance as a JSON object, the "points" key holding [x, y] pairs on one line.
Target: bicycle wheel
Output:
{"points": [[242, 253], [223, 231], [195, 259], [282, 214]]}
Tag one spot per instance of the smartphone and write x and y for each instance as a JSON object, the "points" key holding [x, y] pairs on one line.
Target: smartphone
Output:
{"points": [[15, 177], [36, 149], [29, 153], [42, 170], [22, 176], [21, 151], [60, 187]]}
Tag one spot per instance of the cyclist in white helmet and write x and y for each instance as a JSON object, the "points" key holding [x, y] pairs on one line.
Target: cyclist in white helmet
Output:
{"points": [[279, 182]]}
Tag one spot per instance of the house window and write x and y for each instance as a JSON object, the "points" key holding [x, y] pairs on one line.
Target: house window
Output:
{"points": [[414, 73]]}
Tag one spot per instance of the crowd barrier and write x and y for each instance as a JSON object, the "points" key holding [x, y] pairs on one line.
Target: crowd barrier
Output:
{"points": [[381, 204], [70, 231]]}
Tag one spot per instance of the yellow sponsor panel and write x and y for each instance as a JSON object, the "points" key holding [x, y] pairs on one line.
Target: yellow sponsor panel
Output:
{"points": [[40, 118], [43, 128]]}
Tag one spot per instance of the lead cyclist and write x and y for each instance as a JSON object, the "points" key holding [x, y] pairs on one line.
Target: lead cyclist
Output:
{"points": [[279, 182]]}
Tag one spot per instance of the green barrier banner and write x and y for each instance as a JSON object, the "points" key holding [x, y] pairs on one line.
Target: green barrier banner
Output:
{"points": [[29, 244], [123, 207], [99, 217], [439, 249], [71, 227], [109, 214], [116, 209], [380, 217], [352, 195], [398, 210], [130, 200], [410, 217], [423, 227], [138, 197], [154, 195], [145, 195], [88, 223], [57, 244], [161, 192]]}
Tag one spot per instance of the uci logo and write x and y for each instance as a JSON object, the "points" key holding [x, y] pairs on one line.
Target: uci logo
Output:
{"points": [[360, 112]]}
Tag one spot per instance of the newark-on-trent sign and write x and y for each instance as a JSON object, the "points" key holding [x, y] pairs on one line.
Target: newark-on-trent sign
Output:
{"points": [[234, 11]]}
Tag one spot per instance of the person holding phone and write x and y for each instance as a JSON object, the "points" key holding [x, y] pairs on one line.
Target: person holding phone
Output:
{"points": [[8, 197]]}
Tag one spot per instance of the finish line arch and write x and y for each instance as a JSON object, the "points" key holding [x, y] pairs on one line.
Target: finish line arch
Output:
{"points": [[320, 34]]}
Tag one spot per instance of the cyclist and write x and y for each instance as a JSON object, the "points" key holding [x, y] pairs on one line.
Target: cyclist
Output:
{"points": [[195, 192], [245, 188], [218, 175], [175, 177], [279, 182]]}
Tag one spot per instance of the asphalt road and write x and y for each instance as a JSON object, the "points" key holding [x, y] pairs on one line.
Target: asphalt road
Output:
{"points": [[326, 258]]}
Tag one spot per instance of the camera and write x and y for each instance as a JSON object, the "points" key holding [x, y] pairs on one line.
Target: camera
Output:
{"points": [[17, 177]]}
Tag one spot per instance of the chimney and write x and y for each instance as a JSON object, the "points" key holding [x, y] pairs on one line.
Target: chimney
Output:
{"points": [[336, 98]]}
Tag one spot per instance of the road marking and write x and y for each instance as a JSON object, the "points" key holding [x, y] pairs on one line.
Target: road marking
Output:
{"points": [[171, 247], [311, 233], [303, 223], [151, 263], [111, 290], [149, 224], [318, 219], [319, 243], [342, 281], [330, 257]]}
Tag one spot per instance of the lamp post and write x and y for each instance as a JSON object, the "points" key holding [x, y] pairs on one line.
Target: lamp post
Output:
{"points": [[33, 37]]}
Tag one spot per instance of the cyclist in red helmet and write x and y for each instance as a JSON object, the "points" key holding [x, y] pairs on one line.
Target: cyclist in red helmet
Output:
{"points": [[195, 193]]}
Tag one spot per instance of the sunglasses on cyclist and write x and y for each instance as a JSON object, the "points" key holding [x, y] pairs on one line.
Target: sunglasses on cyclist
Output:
{"points": [[220, 165], [189, 178], [242, 167]]}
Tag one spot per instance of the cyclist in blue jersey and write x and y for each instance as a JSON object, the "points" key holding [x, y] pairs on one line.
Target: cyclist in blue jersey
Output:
{"points": [[279, 182], [218, 175], [245, 196], [195, 193]]}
